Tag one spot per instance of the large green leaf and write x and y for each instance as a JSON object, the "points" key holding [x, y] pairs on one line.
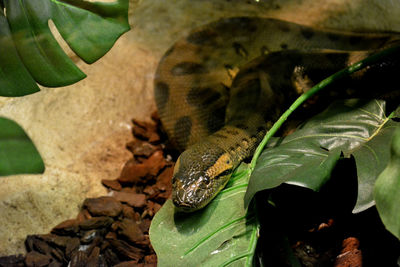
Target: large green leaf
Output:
{"points": [[221, 234], [89, 28], [307, 157], [17, 152], [15, 79], [387, 189]]}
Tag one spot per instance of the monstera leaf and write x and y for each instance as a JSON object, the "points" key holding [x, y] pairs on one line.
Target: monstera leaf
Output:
{"points": [[357, 128], [29, 53], [221, 234], [17, 152], [387, 189]]}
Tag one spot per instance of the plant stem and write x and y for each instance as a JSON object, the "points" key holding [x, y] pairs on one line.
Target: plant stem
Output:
{"points": [[300, 100]]}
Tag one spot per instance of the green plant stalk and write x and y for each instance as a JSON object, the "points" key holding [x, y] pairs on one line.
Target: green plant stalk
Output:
{"points": [[321, 85]]}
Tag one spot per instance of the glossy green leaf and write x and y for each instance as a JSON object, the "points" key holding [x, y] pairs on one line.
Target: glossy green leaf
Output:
{"points": [[221, 234], [307, 157], [387, 189], [15, 79], [89, 28], [17, 152]]}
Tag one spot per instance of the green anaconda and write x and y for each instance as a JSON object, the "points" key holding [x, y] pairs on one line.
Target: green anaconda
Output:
{"points": [[217, 115]]}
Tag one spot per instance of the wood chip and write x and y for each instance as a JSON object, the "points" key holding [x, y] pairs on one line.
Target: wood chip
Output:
{"points": [[132, 199], [127, 250], [96, 222], [37, 259], [103, 206], [131, 230], [113, 184]]}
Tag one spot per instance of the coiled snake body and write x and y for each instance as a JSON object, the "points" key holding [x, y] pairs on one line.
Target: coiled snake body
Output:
{"points": [[218, 115]]}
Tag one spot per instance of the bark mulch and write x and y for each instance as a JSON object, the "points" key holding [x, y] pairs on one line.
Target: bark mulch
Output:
{"points": [[111, 230]]}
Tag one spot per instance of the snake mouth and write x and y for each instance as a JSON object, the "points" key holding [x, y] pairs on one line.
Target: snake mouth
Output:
{"points": [[191, 200]]}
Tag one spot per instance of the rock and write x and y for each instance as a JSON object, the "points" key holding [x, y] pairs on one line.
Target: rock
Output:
{"points": [[103, 206]]}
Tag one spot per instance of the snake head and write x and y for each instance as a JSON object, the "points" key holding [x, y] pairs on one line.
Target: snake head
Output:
{"points": [[200, 173]]}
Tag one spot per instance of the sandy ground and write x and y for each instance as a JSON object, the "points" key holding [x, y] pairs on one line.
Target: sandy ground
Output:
{"points": [[81, 130]]}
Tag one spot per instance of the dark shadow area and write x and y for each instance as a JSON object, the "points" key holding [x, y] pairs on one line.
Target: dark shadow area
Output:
{"points": [[311, 226]]}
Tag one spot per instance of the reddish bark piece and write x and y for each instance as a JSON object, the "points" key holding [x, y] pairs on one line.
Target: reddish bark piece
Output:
{"points": [[131, 230], [157, 162], [127, 264], [164, 179], [141, 148], [130, 213], [72, 246], [83, 215], [66, 227], [152, 208], [134, 172], [78, 259], [350, 255], [89, 236], [125, 249], [111, 257], [111, 235], [36, 259], [103, 206], [96, 222], [32, 242], [145, 225], [150, 258], [349, 259], [60, 241], [143, 129], [154, 138], [150, 191], [93, 259], [350, 244], [132, 199], [13, 260], [113, 184]]}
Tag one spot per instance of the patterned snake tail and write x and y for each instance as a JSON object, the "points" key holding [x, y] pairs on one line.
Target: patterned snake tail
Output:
{"points": [[218, 116]]}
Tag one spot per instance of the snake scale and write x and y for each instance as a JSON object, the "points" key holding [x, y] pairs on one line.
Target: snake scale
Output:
{"points": [[217, 115]]}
